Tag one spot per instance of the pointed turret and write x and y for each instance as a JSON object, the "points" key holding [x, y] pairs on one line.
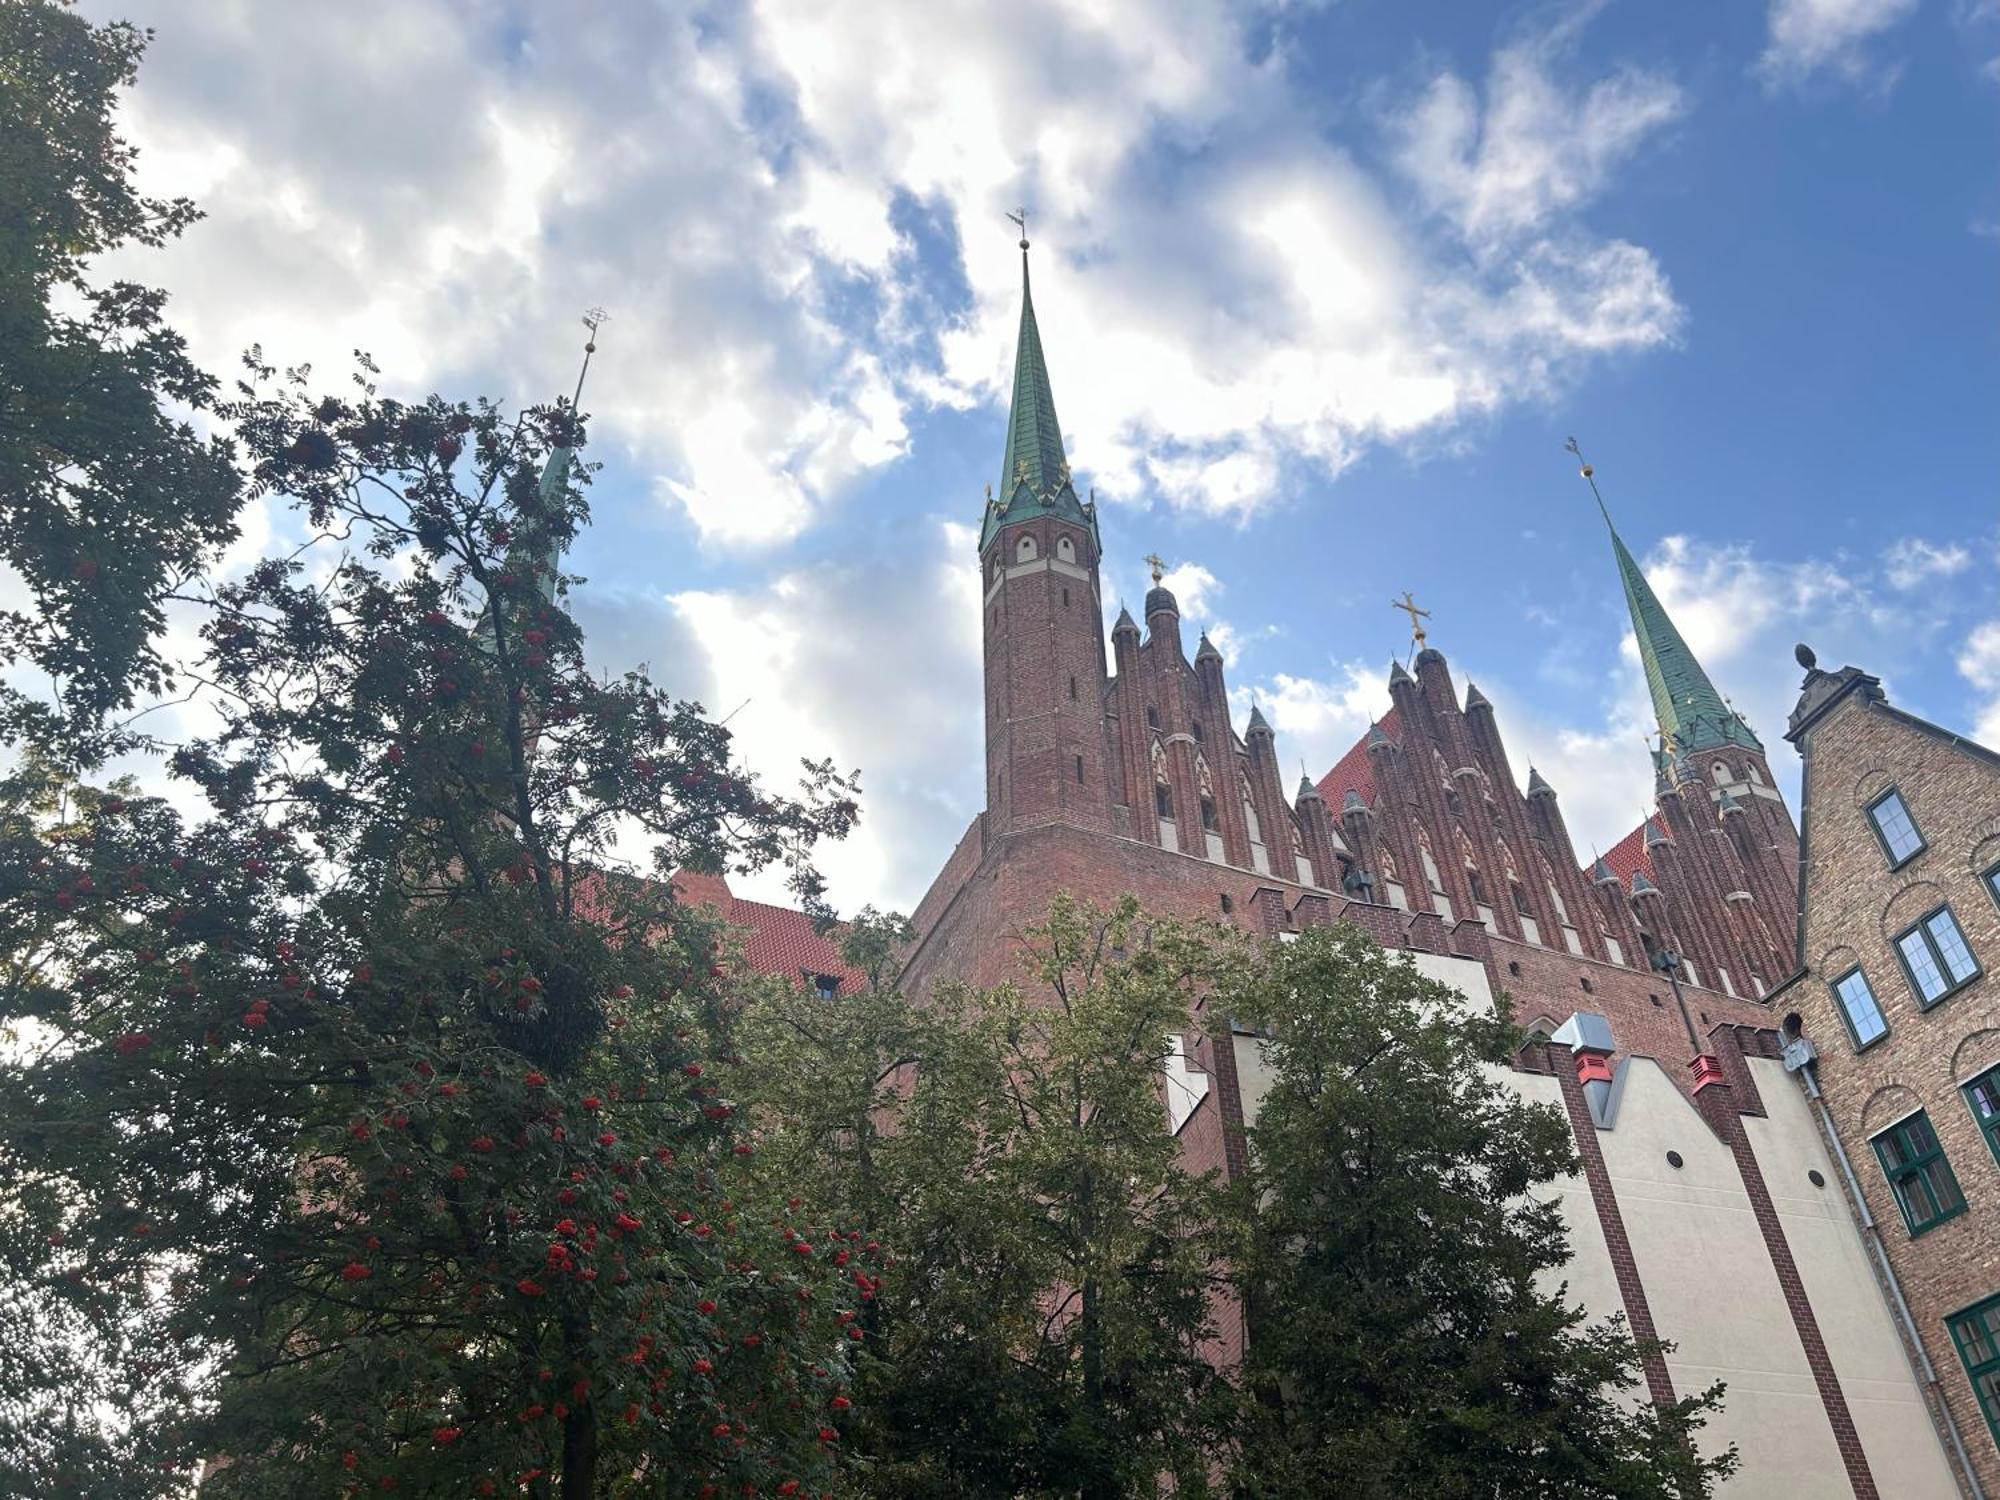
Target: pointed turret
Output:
{"points": [[1475, 699], [1655, 835], [1537, 787], [1376, 736], [1692, 715], [1642, 885], [1206, 650], [1125, 624], [1307, 791], [1034, 474], [1352, 803], [1258, 725], [1601, 873], [1398, 674]]}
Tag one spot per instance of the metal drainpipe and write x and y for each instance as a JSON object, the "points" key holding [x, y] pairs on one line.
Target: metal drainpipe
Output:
{"points": [[1900, 1308]]}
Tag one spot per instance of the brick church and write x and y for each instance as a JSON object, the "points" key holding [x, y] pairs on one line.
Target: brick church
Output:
{"points": [[1706, 1209]]}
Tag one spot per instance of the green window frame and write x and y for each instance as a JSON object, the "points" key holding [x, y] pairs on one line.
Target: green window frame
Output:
{"points": [[1935, 956], [1975, 1333], [1919, 1176], [1982, 1097], [1895, 829], [1854, 998]]}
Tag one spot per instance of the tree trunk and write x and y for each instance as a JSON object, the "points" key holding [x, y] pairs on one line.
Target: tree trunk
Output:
{"points": [[579, 1454]]}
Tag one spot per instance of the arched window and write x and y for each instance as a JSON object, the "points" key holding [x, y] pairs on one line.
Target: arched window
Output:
{"points": [[1250, 813], [1750, 770], [1026, 551], [1208, 818], [1163, 792], [1065, 549], [1720, 771]]}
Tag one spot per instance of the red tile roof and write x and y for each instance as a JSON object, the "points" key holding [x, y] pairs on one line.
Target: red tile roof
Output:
{"points": [[1629, 854], [1354, 772], [776, 939]]}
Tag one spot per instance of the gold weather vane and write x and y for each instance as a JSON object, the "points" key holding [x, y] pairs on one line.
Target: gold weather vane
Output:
{"points": [[1408, 606], [1158, 564]]}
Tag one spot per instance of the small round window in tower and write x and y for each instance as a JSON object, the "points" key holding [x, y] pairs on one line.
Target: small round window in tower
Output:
{"points": [[1813, 1176], [1674, 1160]]}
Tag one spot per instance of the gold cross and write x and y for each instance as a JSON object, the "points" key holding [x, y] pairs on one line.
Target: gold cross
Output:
{"points": [[1417, 616], [1158, 564]]}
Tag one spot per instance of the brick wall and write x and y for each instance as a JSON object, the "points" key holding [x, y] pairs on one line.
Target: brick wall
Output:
{"points": [[1855, 904]]}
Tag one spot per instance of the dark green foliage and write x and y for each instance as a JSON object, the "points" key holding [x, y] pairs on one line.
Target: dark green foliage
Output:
{"points": [[108, 501], [1056, 1275], [1409, 1334], [366, 1127]]}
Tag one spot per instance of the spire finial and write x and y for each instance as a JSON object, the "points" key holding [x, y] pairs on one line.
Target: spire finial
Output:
{"points": [[1590, 477], [594, 318], [1417, 616], [1020, 218], [1158, 564]]}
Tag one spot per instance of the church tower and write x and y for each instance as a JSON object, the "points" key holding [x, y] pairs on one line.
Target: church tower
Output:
{"points": [[1042, 618], [1728, 855]]}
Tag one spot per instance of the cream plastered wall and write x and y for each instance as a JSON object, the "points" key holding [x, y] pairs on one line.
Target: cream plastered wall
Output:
{"points": [[1709, 1281], [1890, 1417], [1715, 1296]]}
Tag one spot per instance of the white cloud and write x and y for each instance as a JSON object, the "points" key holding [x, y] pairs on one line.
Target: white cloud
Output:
{"points": [[1813, 36], [415, 179], [1541, 145], [894, 690], [1316, 719], [1912, 560], [1979, 664]]}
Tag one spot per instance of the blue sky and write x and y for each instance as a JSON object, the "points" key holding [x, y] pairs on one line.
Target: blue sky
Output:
{"points": [[1323, 288]]}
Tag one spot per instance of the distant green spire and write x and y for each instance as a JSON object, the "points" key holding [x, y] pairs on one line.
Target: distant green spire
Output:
{"points": [[546, 564], [1691, 713], [1034, 474]]}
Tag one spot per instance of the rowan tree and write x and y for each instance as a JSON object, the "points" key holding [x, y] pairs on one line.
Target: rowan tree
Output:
{"points": [[108, 497], [1045, 1328], [1409, 1330], [363, 1122]]}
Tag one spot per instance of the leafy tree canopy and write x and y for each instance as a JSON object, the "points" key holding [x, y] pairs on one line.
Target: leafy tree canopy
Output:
{"points": [[369, 1126], [1049, 1325], [109, 499], [1409, 1329]]}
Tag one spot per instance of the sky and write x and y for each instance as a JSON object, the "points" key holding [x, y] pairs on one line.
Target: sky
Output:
{"points": [[1323, 288]]}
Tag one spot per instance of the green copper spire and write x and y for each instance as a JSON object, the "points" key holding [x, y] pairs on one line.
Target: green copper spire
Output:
{"points": [[1692, 715], [1034, 438], [1034, 475], [546, 563]]}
